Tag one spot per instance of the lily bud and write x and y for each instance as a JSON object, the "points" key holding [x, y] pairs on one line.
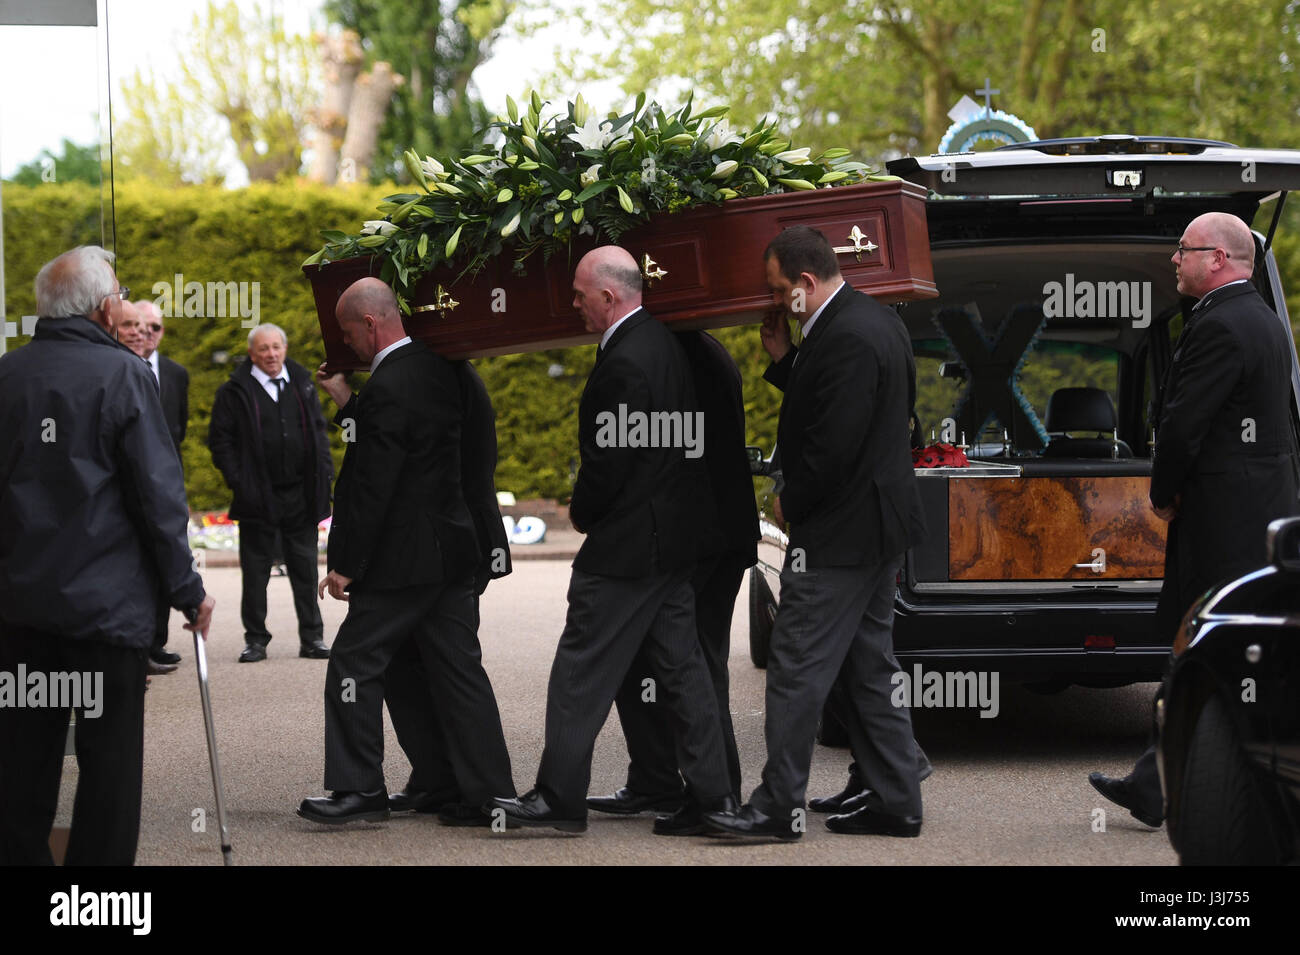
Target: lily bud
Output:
{"points": [[510, 227], [797, 183], [724, 169]]}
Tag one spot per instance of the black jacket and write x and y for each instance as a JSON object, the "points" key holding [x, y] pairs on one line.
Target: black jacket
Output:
{"points": [[637, 505], [1229, 382], [400, 517], [93, 513], [729, 517], [850, 493], [478, 465], [174, 392], [235, 440]]}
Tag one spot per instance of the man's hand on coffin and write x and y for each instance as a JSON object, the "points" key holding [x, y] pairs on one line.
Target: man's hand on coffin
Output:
{"points": [[336, 385]]}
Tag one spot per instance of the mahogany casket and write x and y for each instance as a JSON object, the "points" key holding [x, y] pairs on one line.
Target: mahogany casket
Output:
{"points": [[703, 268]]}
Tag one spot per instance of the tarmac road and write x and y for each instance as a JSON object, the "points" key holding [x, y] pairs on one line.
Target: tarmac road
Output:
{"points": [[1011, 790]]}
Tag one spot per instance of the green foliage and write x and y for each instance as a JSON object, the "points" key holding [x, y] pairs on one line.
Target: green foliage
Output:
{"points": [[549, 179], [75, 164], [436, 46]]}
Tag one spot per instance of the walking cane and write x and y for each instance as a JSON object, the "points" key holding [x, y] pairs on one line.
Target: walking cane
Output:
{"points": [[201, 661]]}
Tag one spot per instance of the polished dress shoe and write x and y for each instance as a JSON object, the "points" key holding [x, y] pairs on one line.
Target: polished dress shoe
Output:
{"points": [[872, 822], [416, 800], [689, 819], [316, 650], [531, 809], [165, 657], [154, 667], [748, 823], [253, 653], [463, 814], [340, 807], [836, 802], [627, 802], [1120, 792]]}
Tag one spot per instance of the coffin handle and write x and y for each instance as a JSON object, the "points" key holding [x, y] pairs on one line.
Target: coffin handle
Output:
{"points": [[442, 304]]}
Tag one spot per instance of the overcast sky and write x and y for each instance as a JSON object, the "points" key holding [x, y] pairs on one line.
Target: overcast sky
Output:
{"points": [[49, 75]]}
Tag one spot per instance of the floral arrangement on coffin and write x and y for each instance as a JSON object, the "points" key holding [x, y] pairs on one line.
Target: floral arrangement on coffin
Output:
{"points": [[546, 182]]}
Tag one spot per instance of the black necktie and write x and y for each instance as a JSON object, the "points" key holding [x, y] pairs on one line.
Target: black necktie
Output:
{"points": [[279, 388]]}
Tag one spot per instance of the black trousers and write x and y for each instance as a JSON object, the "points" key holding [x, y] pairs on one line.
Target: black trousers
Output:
{"points": [[647, 726], [454, 713], [256, 550], [110, 753], [610, 619]]}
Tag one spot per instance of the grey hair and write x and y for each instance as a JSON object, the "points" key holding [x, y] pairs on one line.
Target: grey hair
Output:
{"points": [[75, 282], [627, 278], [264, 326]]}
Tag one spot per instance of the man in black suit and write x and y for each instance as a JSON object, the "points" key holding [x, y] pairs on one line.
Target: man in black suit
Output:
{"points": [[728, 532], [1225, 461], [268, 439], [631, 579], [174, 393], [437, 785], [403, 552], [851, 499]]}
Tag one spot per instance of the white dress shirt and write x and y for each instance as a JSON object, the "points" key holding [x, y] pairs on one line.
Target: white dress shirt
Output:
{"points": [[609, 332], [374, 362], [152, 361], [269, 383]]}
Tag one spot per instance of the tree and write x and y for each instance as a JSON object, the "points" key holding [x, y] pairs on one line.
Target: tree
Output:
{"points": [[75, 164], [879, 77], [244, 88], [435, 46]]}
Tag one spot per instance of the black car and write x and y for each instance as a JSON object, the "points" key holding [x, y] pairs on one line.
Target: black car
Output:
{"points": [[1228, 717], [1043, 358]]}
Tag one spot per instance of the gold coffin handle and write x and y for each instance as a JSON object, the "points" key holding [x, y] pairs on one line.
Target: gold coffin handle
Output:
{"points": [[650, 270], [442, 303], [858, 246]]}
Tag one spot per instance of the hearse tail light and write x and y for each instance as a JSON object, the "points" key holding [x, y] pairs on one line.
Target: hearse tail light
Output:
{"points": [[1098, 642]]}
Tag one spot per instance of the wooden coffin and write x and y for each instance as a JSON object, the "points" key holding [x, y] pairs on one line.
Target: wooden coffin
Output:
{"points": [[708, 262], [1054, 528]]}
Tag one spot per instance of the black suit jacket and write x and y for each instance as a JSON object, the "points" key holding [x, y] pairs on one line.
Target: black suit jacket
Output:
{"points": [[478, 465], [729, 517], [636, 504], [850, 493], [1229, 381], [174, 392], [400, 517]]}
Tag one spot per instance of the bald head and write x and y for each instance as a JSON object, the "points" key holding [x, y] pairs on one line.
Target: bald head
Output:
{"points": [[1220, 250], [369, 318], [606, 286]]}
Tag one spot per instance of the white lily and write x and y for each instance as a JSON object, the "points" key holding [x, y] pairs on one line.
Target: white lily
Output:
{"points": [[593, 134], [378, 227], [795, 157], [724, 169], [591, 175], [720, 135], [432, 168]]}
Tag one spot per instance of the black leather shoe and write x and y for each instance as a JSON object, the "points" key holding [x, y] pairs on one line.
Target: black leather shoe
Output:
{"points": [[835, 803], [626, 802], [531, 809], [872, 822], [316, 650], [156, 668], [748, 823], [341, 807], [416, 800], [1120, 792], [463, 814], [165, 657], [689, 820], [253, 653]]}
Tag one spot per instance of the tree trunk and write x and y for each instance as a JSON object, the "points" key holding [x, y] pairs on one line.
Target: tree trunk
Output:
{"points": [[342, 57], [370, 98]]}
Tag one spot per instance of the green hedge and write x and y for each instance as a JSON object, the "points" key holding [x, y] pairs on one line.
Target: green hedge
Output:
{"points": [[262, 233]]}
